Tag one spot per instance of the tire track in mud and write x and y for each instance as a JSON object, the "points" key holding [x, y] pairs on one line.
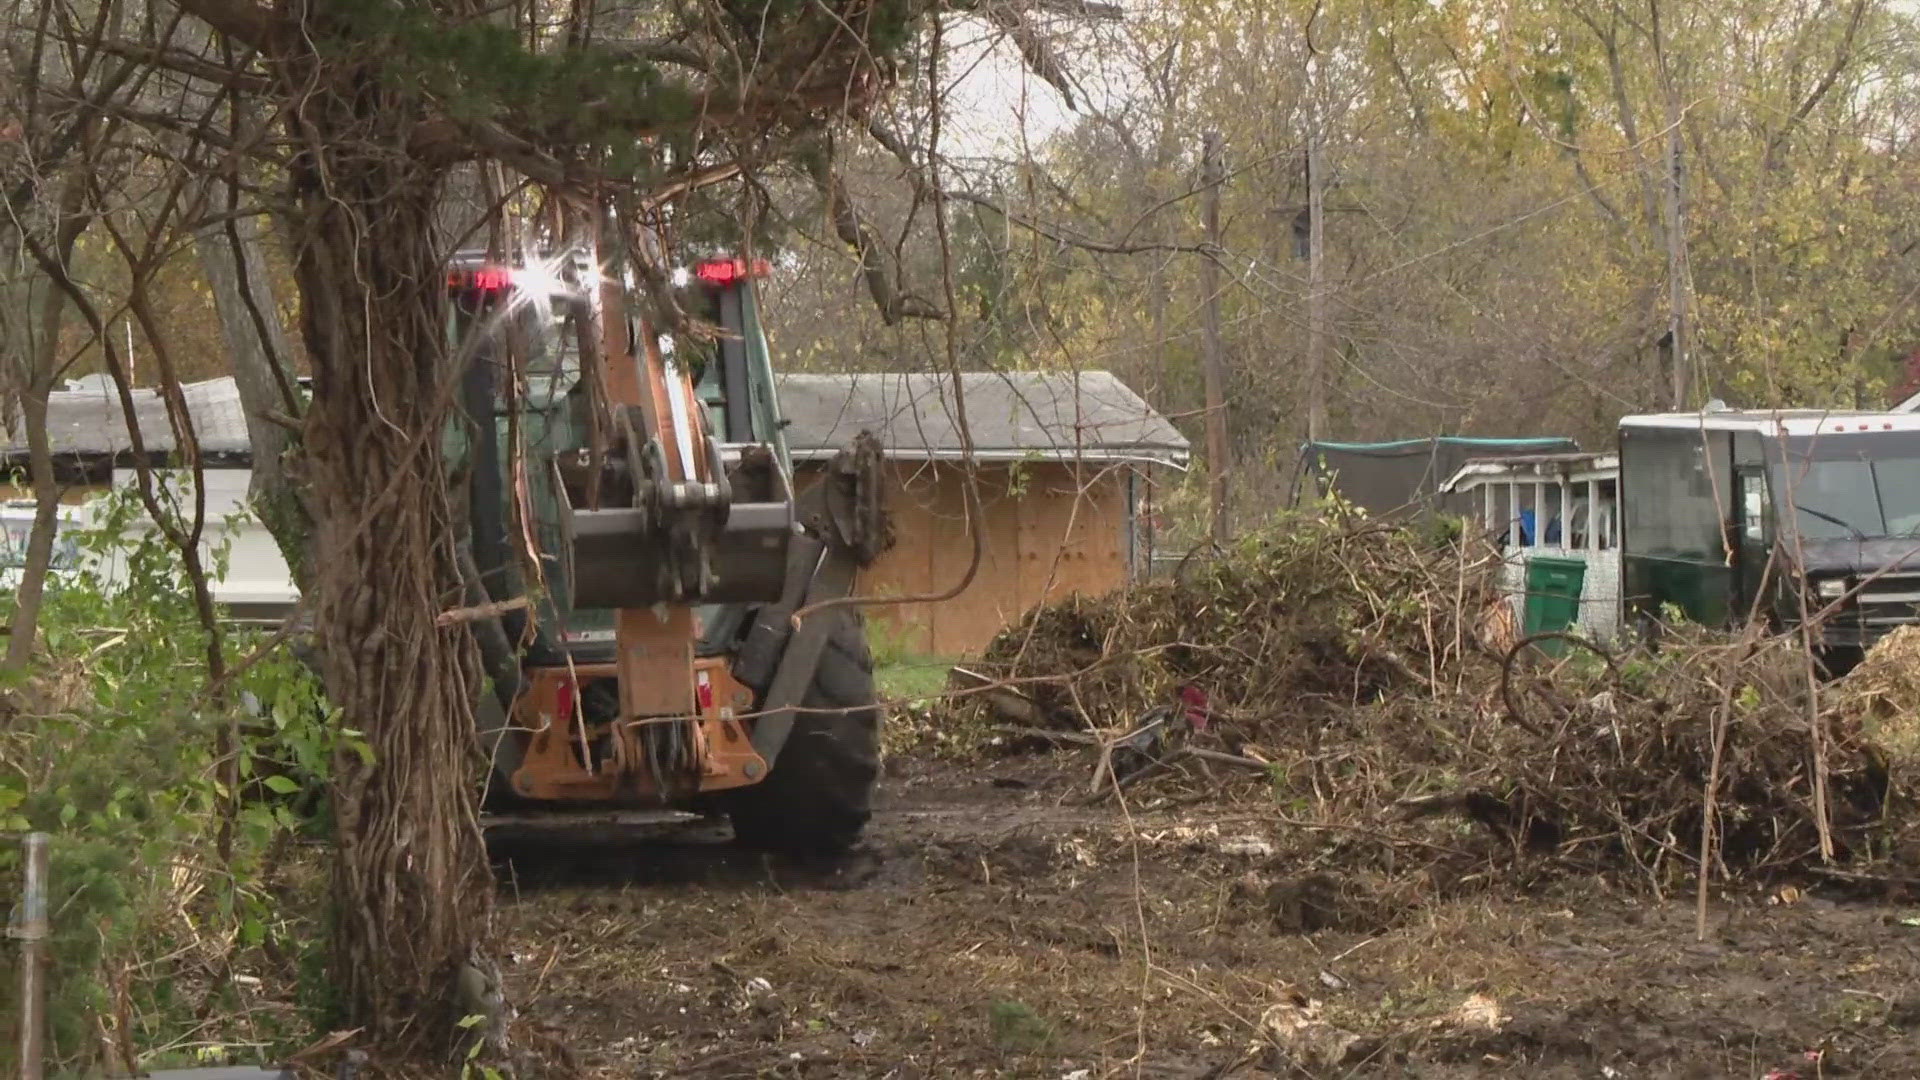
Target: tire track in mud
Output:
{"points": [[983, 928]]}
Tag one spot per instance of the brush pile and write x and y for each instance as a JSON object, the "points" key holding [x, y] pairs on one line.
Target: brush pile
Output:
{"points": [[1360, 661], [1299, 622]]}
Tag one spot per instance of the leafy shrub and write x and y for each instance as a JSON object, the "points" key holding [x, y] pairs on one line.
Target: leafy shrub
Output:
{"points": [[164, 880]]}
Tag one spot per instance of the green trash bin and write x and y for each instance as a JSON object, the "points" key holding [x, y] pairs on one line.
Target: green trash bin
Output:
{"points": [[1553, 597]]}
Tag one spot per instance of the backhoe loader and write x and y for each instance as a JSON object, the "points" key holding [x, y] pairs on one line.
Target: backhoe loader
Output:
{"points": [[637, 548]]}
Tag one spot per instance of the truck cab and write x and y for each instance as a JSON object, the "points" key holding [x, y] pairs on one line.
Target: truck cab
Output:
{"points": [[1781, 515]]}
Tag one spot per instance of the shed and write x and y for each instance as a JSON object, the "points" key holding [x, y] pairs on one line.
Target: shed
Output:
{"points": [[1066, 465]]}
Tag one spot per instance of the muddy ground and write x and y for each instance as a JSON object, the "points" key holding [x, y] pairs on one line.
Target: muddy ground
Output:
{"points": [[989, 927]]}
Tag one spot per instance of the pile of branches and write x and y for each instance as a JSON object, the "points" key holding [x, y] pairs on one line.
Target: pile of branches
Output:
{"points": [[1357, 663], [1301, 621], [1601, 762]]}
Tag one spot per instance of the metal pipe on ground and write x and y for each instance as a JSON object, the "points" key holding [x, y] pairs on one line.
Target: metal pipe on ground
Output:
{"points": [[31, 931]]}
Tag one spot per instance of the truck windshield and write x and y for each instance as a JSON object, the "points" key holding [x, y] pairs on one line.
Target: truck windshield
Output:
{"points": [[1853, 497]]}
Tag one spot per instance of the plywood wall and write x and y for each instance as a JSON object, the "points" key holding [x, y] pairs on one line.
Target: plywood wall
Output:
{"points": [[1047, 530]]}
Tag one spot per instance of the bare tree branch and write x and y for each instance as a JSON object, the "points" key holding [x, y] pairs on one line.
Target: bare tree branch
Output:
{"points": [[877, 264], [250, 24]]}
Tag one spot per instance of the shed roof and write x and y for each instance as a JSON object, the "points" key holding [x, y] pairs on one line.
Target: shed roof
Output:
{"points": [[1088, 415], [87, 419]]}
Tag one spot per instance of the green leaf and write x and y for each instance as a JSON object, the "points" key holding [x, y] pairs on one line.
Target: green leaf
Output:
{"points": [[281, 785]]}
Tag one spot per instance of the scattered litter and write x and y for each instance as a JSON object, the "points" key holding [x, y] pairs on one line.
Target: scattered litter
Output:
{"points": [[1076, 849], [1480, 1013], [1332, 982], [759, 985], [1252, 847], [864, 1037], [1296, 1029]]}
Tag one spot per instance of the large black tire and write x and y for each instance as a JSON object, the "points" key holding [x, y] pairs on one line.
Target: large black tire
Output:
{"points": [[819, 795]]}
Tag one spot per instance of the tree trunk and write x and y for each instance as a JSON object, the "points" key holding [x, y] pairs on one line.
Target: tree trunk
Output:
{"points": [[27, 598], [233, 256], [36, 347], [411, 886]]}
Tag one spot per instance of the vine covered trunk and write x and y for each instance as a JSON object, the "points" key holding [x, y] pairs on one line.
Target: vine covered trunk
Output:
{"points": [[411, 886]]}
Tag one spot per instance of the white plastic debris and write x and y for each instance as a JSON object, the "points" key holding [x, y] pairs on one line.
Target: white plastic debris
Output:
{"points": [[1250, 847], [1480, 1013], [1295, 1027]]}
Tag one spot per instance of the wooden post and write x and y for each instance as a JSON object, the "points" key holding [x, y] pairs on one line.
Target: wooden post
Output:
{"points": [[1565, 510], [1219, 464], [32, 932], [1593, 516]]}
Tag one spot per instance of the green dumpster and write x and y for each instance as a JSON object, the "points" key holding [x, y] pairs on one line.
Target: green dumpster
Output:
{"points": [[1553, 597]]}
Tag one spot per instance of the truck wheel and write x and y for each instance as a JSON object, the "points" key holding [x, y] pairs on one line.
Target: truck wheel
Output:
{"points": [[819, 795]]}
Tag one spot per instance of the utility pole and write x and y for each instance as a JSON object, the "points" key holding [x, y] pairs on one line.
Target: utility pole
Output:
{"points": [[1219, 465], [1677, 328], [1675, 215], [1316, 270]]}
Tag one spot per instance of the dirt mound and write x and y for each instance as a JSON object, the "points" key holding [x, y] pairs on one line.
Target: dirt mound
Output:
{"points": [[1358, 666]]}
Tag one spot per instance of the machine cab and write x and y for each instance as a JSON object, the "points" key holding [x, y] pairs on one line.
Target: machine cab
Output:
{"points": [[686, 500]]}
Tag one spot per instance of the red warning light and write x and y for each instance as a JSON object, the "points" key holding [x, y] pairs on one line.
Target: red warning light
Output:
{"points": [[728, 271], [486, 279]]}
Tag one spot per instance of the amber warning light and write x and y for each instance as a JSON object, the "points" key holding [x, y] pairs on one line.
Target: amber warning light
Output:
{"points": [[728, 271]]}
